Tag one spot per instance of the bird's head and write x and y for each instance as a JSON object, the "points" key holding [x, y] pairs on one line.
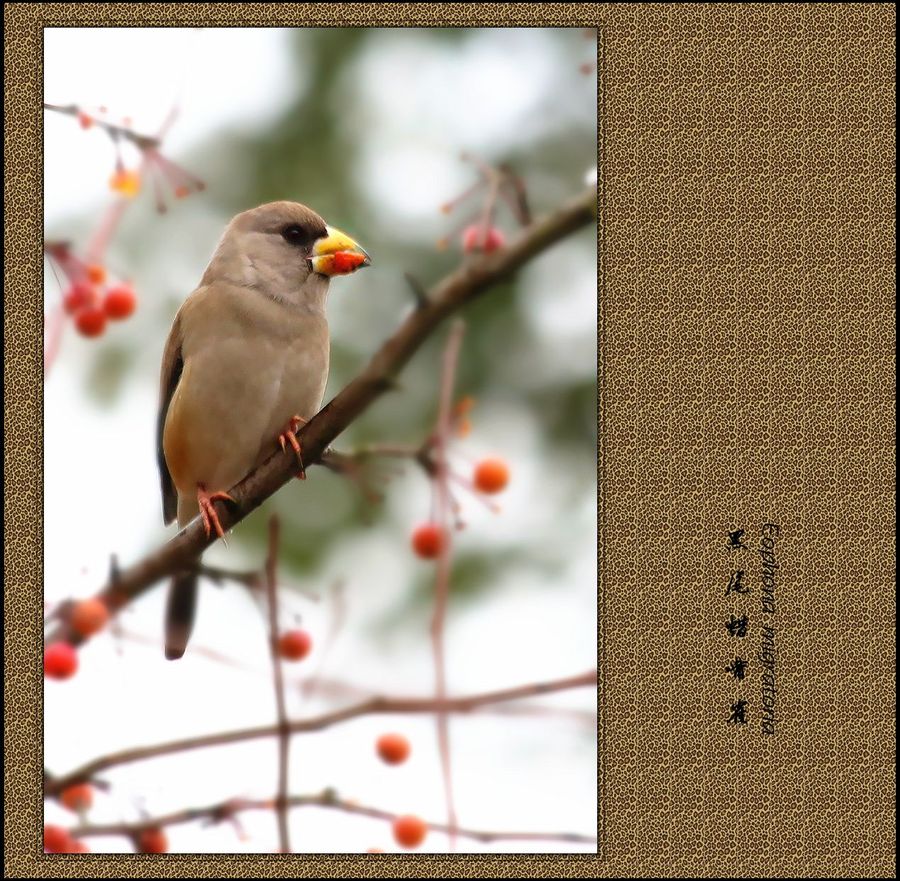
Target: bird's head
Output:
{"points": [[285, 250]]}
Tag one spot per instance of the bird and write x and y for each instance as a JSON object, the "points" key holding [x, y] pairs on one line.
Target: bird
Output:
{"points": [[244, 366]]}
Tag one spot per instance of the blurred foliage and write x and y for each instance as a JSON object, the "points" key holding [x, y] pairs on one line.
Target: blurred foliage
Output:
{"points": [[308, 152]]}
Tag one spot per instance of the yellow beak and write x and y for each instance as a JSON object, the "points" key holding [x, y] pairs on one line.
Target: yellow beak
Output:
{"points": [[337, 254]]}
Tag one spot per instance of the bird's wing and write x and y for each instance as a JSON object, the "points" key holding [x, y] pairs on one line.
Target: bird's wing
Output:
{"points": [[172, 365]]}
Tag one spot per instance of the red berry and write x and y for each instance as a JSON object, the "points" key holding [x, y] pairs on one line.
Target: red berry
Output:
{"points": [[152, 841], [78, 797], [409, 831], [89, 616], [60, 660], [294, 645], [84, 120], [56, 839], [428, 540], [491, 475], [90, 321], [79, 295], [393, 748], [75, 845], [476, 238], [120, 301]]}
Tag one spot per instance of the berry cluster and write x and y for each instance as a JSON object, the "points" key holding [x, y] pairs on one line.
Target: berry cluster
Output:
{"points": [[90, 305], [91, 298], [79, 798], [58, 840], [489, 477], [86, 617], [496, 184]]}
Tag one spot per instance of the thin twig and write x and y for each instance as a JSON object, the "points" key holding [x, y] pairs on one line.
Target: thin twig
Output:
{"points": [[372, 706], [442, 576], [284, 732], [116, 132], [218, 813], [332, 689]]}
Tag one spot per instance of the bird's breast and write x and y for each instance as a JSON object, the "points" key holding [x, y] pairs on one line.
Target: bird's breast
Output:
{"points": [[242, 382]]}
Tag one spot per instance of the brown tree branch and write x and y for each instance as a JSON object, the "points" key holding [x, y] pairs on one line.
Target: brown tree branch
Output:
{"points": [[462, 286], [376, 705], [226, 810]]}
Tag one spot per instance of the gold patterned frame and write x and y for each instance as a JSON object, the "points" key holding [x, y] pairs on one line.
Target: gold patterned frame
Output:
{"points": [[747, 296]]}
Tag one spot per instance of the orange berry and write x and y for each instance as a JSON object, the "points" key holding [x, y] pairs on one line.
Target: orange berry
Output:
{"points": [[491, 475], [120, 301], [79, 295], [428, 540], [60, 661], [90, 321], [126, 182], [75, 845], [409, 831], [374, 850], [181, 191], [393, 748], [89, 616], [152, 840], [96, 273], [477, 238], [294, 645], [78, 797], [56, 839], [84, 120]]}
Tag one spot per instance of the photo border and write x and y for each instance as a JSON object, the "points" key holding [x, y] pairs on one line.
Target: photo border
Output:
{"points": [[686, 268]]}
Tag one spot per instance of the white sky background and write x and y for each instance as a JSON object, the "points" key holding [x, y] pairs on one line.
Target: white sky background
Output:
{"points": [[515, 773]]}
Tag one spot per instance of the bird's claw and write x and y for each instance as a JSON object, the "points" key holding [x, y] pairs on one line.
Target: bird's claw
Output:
{"points": [[289, 435], [208, 511]]}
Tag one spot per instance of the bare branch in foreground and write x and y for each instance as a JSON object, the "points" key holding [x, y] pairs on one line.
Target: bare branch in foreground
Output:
{"points": [[462, 286], [376, 705], [226, 810]]}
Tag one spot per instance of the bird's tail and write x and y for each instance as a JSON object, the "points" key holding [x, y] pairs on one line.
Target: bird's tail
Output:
{"points": [[180, 610]]}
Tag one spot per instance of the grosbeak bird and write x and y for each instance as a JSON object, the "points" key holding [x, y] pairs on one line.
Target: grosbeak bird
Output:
{"points": [[244, 366]]}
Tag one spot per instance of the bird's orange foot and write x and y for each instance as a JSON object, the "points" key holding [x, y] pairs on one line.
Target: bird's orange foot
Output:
{"points": [[289, 435], [208, 511]]}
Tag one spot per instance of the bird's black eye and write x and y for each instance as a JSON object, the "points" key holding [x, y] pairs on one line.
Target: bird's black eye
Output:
{"points": [[296, 235]]}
